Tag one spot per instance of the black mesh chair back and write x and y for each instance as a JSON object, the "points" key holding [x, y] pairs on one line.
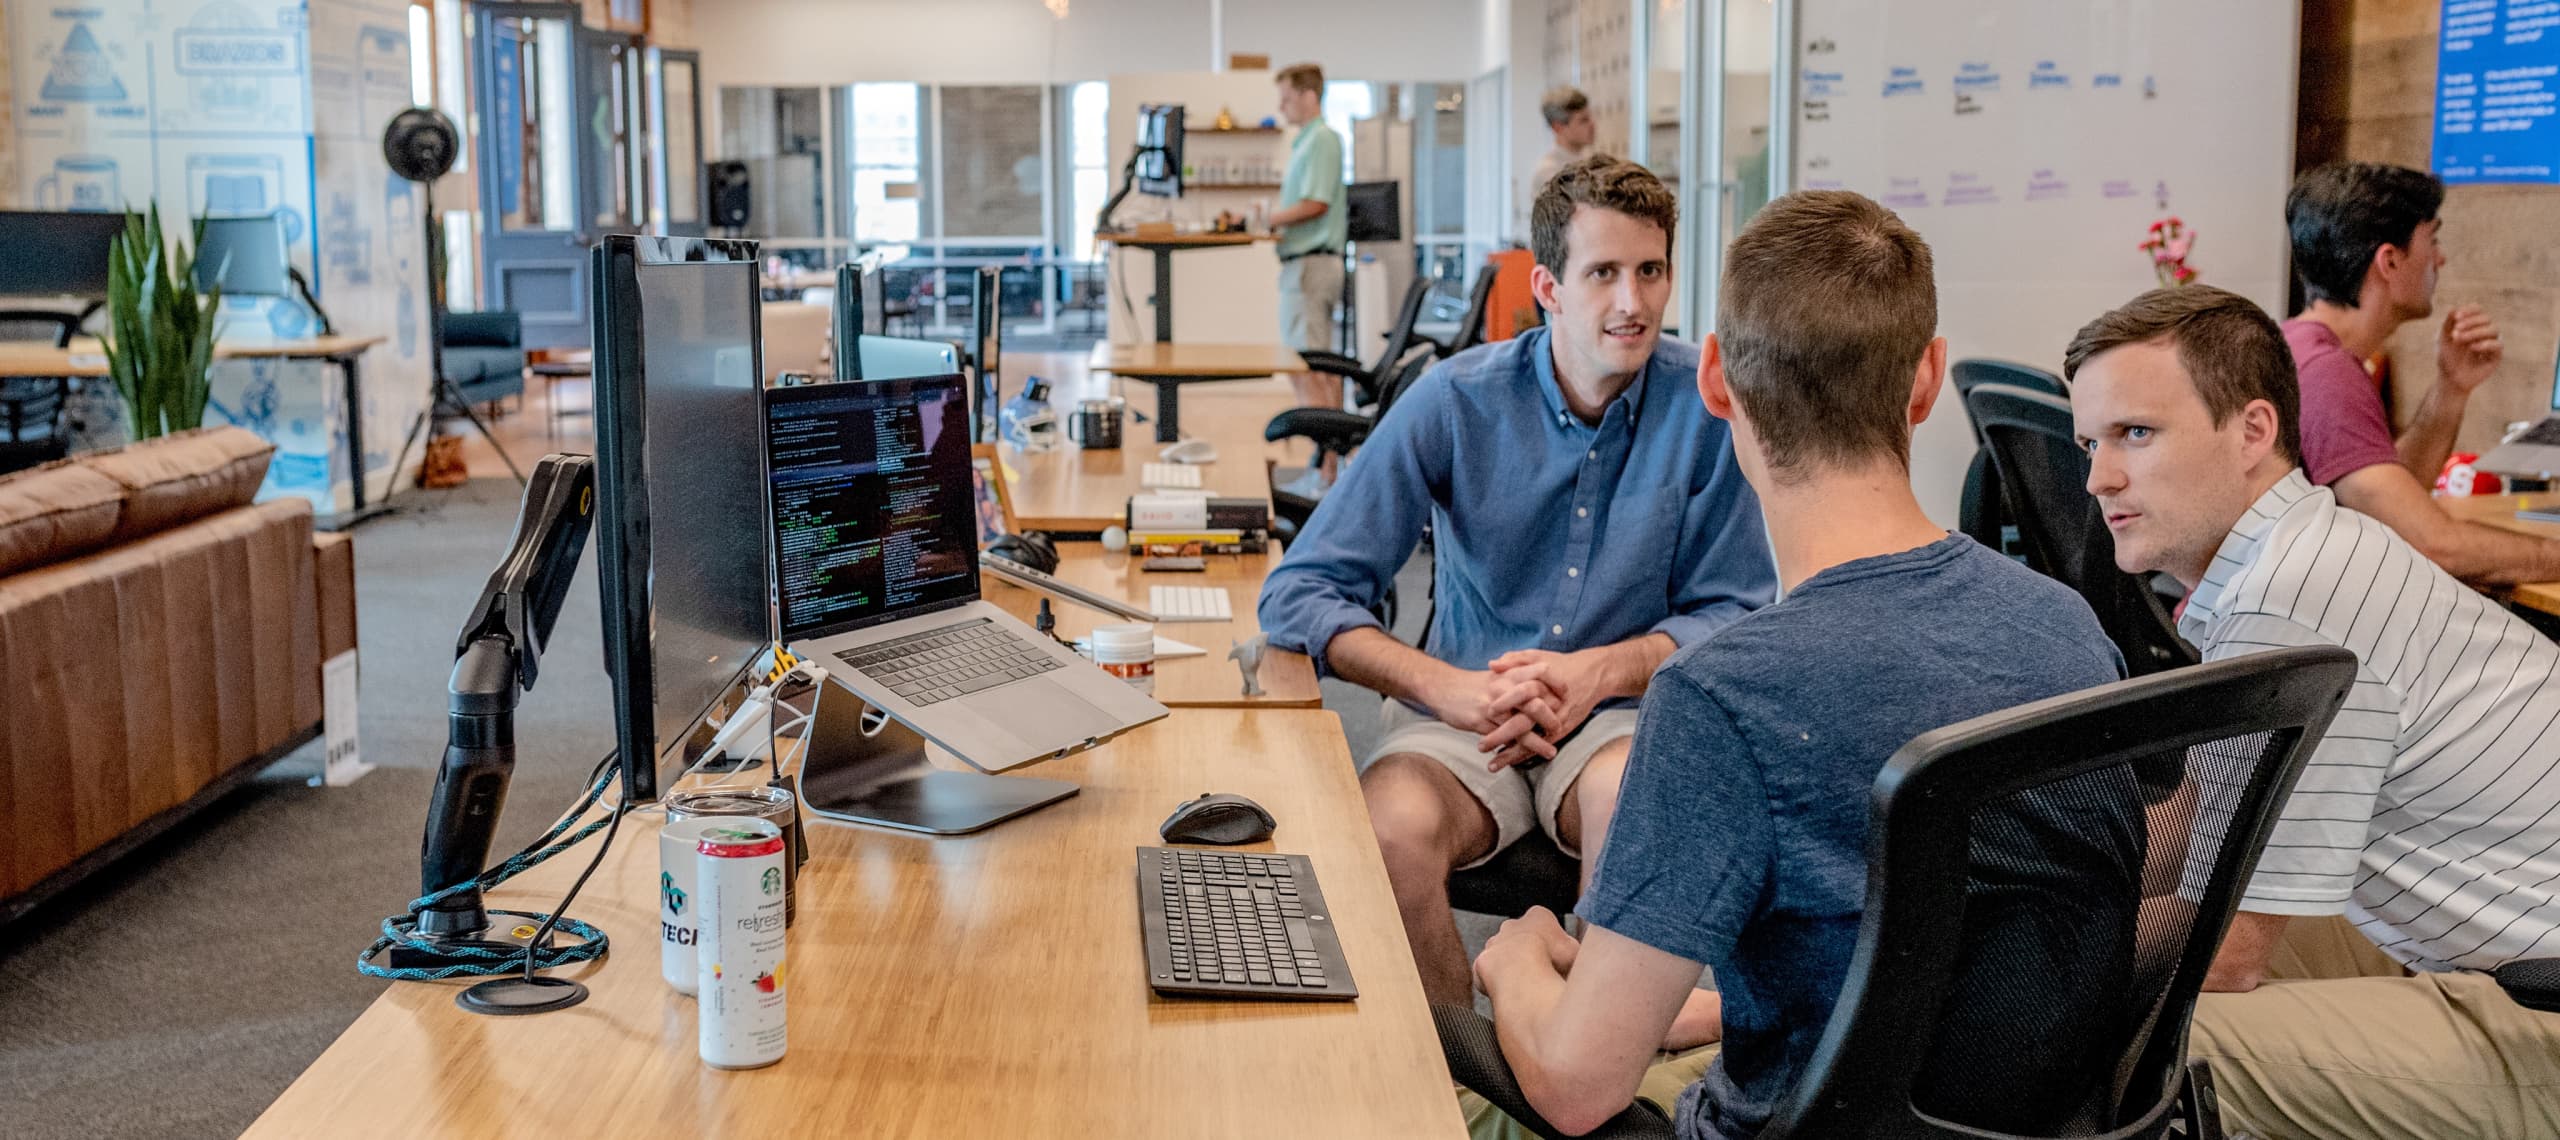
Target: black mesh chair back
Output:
{"points": [[1471, 325], [1980, 514], [31, 407], [2044, 484], [1399, 341], [2046, 889]]}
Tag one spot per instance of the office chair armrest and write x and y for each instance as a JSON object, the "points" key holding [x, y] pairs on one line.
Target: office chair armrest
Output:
{"points": [[1332, 363], [1330, 430], [1475, 1060]]}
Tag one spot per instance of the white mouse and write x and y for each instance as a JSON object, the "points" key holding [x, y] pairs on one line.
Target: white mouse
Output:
{"points": [[1190, 451]]}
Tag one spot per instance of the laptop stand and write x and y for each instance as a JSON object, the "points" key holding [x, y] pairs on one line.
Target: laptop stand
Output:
{"points": [[883, 779]]}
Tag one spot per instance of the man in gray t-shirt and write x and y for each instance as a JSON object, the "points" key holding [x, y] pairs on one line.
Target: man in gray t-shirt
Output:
{"points": [[1740, 833]]}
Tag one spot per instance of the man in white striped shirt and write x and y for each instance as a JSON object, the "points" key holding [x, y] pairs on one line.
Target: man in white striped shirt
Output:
{"points": [[2429, 816]]}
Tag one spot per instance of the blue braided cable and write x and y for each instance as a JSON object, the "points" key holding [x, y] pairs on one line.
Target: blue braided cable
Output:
{"points": [[401, 929]]}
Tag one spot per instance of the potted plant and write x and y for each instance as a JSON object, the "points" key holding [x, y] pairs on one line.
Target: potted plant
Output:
{"points": [[159, 328]]}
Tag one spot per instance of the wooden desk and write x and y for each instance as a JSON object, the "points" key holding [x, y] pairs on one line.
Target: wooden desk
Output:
{"points": [[1209, 681], [1163, 246], [1074, 490], [86, 357], [2500, 511], [981, 985], [1170, 366]]}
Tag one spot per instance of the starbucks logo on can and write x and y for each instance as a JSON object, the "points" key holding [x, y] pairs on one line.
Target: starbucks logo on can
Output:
{"points": [[773, 880]]}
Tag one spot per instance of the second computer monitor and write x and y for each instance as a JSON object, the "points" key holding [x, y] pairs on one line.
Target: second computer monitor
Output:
{"points": [[681, 535], [54, 253], [246, 256], [1159, 169]]}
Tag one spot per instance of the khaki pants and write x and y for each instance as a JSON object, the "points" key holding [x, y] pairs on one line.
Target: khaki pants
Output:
{"points": [[2344, 1043], [1663, 1084]]}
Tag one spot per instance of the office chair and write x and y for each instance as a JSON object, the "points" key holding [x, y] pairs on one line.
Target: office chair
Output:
{"points": [[1368, 380], [31, 407], [2044, 478], [1979, 514], [1471, 324], [1334, 432], [1964, 916]]}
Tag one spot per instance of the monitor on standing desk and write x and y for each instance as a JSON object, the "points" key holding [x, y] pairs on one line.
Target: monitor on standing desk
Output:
{"points": [[46, 253], [246, 256], [681, 537]]}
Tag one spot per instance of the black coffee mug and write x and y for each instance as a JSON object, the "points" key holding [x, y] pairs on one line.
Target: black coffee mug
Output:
{"points": [[1095, 425]]}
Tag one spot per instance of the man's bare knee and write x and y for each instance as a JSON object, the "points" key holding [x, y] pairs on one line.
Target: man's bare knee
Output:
{"points": [[1584, 812], [1424, 819]]}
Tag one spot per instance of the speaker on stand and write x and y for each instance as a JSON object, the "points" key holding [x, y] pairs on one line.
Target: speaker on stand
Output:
{"points": [[731, 194], [420, 145]]}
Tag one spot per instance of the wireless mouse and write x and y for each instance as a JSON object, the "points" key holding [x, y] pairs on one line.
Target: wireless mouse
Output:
{"points": [[1218, 818]]}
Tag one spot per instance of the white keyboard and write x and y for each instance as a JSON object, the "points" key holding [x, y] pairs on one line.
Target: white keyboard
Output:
{"points": [[1173, 476], [1189, 603]]}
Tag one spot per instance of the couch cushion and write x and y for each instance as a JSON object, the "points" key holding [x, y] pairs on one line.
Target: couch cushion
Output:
{"points": [[55, 512], [177, 479]]}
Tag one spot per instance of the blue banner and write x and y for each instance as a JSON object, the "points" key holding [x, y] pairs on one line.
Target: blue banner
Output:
{"points": [[2497, 87]]}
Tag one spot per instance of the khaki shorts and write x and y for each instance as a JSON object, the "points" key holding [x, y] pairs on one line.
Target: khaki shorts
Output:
{"points": [[1519, 797], [2344, 1043], [1309, 289]]}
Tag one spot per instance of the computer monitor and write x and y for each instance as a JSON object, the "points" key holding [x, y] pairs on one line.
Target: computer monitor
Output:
{"points": [[683, 556], [245, 255], [988, 392], [861, 307], [51, 253], [1160, 150], [1374, 212]]}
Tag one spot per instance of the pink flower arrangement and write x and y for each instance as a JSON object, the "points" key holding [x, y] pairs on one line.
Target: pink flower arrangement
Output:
{"points": [[2168, 244]]}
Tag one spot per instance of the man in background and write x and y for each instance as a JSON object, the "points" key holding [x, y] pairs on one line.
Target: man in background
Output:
{"points": [[2365, 244], [1308, 228], [1568, 115]]}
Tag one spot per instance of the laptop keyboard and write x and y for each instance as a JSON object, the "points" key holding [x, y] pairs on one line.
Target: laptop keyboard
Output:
{"points": [[2546, 433], [953, 661]]}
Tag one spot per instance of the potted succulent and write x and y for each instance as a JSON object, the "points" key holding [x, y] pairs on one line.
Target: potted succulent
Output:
{"points": [[159, 327]]}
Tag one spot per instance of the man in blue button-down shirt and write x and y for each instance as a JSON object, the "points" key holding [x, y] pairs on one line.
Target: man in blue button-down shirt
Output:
{"points": [[1588, 520]]}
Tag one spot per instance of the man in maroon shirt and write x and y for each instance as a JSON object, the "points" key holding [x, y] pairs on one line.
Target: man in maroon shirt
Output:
{"points": [[2364, 244]]}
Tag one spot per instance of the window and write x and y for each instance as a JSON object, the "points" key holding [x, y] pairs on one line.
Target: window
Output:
{"points": [[1088, 118], [887, 122], [422, 56], [1344, 101]]}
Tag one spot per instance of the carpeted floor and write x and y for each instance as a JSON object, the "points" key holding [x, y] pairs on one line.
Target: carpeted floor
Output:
{"points": [[177, 993]]}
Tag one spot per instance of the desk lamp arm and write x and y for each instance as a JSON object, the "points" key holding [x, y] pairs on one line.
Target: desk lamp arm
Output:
{"points": [[495, 661]]}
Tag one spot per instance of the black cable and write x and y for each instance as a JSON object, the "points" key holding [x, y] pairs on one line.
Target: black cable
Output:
{"points": [[552, 919]]}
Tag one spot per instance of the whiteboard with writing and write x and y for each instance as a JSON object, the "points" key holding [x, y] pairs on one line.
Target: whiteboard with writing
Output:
{"points": [[2033, 143]]}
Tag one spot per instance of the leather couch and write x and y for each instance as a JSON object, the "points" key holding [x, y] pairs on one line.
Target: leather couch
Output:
{"points": [[161, 640], [484, 355]]}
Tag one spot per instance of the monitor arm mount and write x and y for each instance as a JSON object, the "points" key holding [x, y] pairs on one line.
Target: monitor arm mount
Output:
{"points": [[495, 661], [1128, 179]]}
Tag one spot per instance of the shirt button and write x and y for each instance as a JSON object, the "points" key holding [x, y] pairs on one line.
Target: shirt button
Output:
{"points": [[1591, 454], [1572, 572], [1582, 512], [1556, 630]]}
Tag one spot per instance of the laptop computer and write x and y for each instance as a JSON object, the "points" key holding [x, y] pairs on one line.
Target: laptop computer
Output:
{"points": [[2536, 453], [876, 574]]}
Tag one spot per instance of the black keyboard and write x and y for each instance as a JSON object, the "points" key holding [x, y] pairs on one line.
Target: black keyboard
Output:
{"points": [[1230, 924], [2547, 432], [953, 661]]}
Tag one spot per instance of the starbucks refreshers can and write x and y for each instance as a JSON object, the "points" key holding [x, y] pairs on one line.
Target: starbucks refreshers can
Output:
{"points": [[677, 901], [738, 885]]}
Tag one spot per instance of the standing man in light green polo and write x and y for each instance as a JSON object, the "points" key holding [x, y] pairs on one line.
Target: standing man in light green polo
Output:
{"points": [[1309, 226]]}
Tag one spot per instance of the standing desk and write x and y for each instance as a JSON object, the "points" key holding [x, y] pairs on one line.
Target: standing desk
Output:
{"points": [[1170, 366], [1163, 246], [2500, 511], [1073, 490], [979, 985], [85, 357]]}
